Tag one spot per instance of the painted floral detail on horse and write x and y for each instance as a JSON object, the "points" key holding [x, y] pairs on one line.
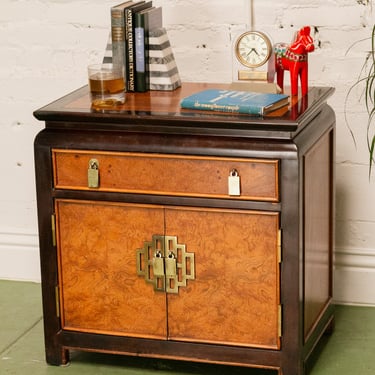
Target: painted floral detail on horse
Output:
{"points": [[280, 49], [293, 57]]}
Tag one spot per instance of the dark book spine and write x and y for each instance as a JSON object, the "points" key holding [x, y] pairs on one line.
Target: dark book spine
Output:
{"points": [[140, 56], [129, 43], [129, 50]]}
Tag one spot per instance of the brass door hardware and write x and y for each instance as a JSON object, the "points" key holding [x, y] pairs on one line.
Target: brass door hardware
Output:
{"points": [[53, 229], [165, 263], [93, 174], [234, 188]]}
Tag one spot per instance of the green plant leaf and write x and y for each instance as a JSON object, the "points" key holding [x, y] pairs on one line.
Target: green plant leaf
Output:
{"points": [[371, 150], [359, 81], [366, 77]]}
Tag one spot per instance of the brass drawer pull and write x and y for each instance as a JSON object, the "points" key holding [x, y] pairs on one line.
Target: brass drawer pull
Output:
{"points": [[234, 188], [93, 174]]}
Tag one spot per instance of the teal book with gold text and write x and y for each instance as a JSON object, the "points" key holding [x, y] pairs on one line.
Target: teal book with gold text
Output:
{"points": [[246, 102]]}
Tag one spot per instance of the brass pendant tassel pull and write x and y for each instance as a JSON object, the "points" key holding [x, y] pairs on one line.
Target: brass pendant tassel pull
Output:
{"points": [[170, 265], [93, 174], [158, 265]]}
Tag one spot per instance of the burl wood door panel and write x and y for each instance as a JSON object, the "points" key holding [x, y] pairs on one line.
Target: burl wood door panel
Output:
{"points": [[234, 298], [99, 288]]}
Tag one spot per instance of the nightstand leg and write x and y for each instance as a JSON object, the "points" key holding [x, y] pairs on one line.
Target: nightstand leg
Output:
{"points": [[330, 328], [293, 368], [57, 356]]}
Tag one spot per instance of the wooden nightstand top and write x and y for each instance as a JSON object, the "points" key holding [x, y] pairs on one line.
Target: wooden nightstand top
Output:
{"points": [[160, 112]]}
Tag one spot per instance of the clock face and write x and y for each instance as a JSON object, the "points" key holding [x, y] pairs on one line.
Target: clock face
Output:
{"points": [[253, 49]]}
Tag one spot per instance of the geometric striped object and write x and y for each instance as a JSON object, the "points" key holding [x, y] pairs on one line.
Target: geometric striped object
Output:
{"points": [[161, 63], [107, 58], [163, 72]]}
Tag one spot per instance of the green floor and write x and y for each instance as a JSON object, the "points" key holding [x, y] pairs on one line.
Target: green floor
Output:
{"points": [[350, 350]]}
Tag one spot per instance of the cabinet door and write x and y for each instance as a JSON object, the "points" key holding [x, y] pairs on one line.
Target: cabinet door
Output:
{"points": [[100, 291], [234, 298]]}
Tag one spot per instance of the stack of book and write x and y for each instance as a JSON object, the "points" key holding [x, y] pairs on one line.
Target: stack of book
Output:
{"points": [[140, 44]]}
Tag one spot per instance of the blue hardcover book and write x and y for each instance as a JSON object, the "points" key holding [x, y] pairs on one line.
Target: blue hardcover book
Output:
{"points": [[246, 102]]}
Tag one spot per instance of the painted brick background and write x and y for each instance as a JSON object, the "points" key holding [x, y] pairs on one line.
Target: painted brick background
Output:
{"points": [[47, 44]]}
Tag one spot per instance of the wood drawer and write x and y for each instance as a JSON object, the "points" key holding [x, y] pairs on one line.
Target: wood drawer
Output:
{"points": [[165, 174]]}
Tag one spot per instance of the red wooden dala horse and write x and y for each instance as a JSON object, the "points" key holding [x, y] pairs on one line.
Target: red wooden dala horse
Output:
{"points": [[293, 57]]}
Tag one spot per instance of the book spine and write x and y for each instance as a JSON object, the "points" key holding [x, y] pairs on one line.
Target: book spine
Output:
{"points": [[140, 64], [118, 37], [129, 41], [129, 50], [236, 108], [140, 55]]}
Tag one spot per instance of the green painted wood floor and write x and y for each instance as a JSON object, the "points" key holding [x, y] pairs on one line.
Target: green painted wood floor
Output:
{"points": [[350, 350]]}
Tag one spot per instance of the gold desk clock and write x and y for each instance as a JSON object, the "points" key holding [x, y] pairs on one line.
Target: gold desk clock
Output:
{"points": [[253, 49]]}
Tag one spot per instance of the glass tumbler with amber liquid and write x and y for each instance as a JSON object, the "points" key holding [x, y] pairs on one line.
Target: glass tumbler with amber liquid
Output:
{"points": [[107, 85]]}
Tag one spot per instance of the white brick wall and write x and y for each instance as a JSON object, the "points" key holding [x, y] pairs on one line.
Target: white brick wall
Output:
{"points": [[47, 44]]}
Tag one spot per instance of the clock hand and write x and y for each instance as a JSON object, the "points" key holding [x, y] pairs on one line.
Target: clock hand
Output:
{"points": [[253, 50]]}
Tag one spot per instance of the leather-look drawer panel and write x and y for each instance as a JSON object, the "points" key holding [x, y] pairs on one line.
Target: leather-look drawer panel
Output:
{"points": [[165, 174]]}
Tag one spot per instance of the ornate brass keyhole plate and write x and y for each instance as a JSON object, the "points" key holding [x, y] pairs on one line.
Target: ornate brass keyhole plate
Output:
{"points": [[165, 263]]}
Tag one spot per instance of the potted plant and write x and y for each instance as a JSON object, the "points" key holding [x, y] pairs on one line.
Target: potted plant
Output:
{"points": [[367, 77]]}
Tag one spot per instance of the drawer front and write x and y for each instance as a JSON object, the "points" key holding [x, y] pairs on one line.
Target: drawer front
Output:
{"points": [[164, 174]]}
